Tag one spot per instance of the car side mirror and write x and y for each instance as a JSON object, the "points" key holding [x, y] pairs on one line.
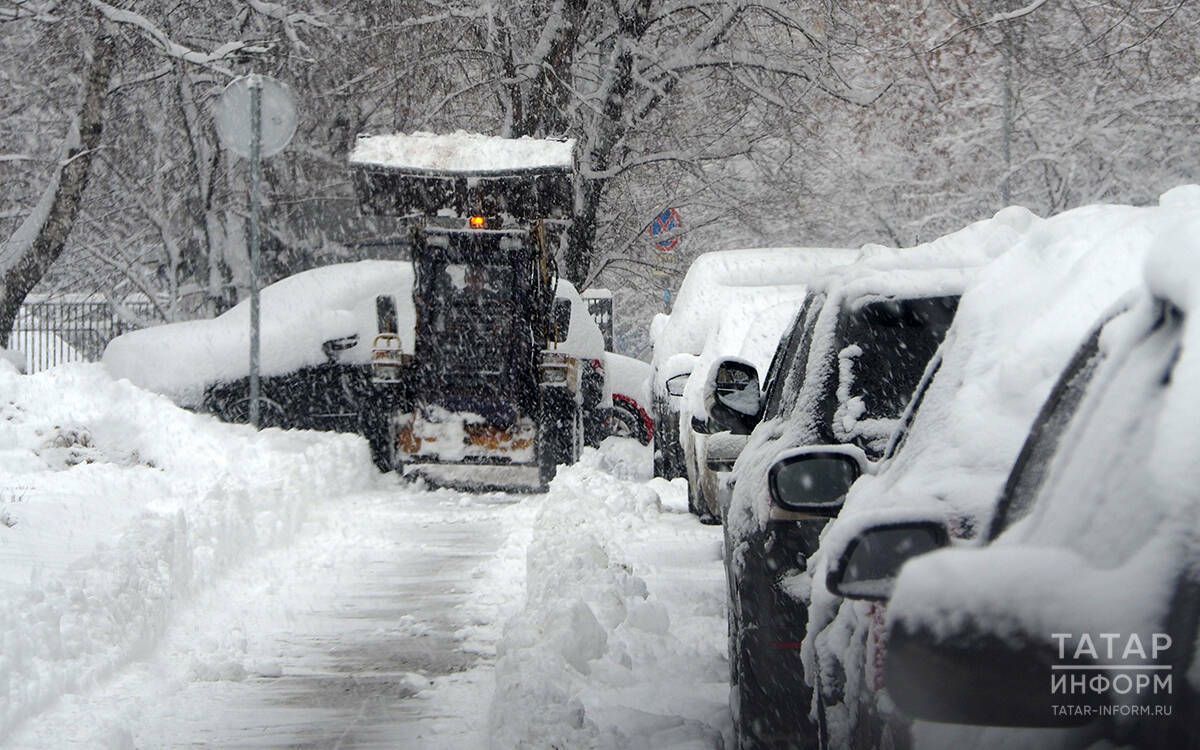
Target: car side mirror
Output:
{"points": [[733, 396], [814, 480], [385, 314], [676, 384], [868, 565], [334, 347]]}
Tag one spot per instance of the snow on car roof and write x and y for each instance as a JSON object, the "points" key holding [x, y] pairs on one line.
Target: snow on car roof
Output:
{"points": [[462, 152], [732, 284], [298, 315]]}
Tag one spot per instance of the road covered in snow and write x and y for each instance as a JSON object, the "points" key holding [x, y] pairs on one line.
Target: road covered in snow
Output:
{"points": [[172, 581]]}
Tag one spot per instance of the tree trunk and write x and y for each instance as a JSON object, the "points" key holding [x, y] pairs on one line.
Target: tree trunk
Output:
{"points": [[41, 239]]}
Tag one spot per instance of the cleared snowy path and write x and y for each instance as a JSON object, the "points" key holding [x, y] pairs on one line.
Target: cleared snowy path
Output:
{"points": [[376, 629]]}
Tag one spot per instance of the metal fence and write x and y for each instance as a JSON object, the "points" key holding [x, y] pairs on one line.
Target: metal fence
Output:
{"points": [[52, 333]]}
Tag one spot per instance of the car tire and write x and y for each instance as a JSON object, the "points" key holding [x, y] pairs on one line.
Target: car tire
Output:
{"points": [[237, 411], [557, 433], [624, 422]]}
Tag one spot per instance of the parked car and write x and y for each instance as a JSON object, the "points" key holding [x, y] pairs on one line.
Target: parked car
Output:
{"points": [[320, 333], [1075, 618], [1015, 329], [753, 336], [629, 380], [719, 296], [668, 381], [859, 347]]}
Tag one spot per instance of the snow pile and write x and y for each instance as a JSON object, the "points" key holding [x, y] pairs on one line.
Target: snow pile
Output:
{"points": [[10, 358], [462, 152], [298, 314], [119, 507], [614, 647]]}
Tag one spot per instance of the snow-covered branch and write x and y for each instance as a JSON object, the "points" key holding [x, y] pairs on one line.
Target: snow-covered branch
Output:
{"points": [[171, 48]]}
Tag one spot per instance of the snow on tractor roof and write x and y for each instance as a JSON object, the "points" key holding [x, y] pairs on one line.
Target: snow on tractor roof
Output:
{"points": [[463, 153]]}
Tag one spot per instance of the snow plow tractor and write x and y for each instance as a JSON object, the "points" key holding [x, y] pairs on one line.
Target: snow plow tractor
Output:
{"points": [[503, 376]]}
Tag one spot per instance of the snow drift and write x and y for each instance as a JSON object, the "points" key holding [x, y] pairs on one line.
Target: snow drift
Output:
{"points": [[117, 507]]}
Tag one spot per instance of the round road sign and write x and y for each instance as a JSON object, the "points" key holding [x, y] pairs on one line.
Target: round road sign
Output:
{"points": [[232, 116]]}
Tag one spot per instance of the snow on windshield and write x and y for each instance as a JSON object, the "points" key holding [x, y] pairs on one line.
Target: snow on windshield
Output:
{"points": [[732, 285]]}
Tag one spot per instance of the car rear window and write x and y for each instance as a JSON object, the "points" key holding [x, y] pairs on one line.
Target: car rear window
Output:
{"points": [[883, 348]]}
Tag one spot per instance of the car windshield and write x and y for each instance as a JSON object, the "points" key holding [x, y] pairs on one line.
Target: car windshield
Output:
{"points": [[883, 348]]}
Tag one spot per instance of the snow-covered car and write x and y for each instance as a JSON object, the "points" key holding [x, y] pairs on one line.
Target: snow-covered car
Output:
{"points": [[850, 365], [629, 381], [319, 332], [1015, 329], [1075, 618], [717, 300], [752, 334]]}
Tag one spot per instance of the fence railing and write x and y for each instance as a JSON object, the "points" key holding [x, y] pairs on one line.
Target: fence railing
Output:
{"points": [[53, 333]]}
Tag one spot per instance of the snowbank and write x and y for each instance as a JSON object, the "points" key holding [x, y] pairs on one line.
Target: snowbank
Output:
{"points": [[462, 152], [118, 507], [298, 315], [621, 639]]}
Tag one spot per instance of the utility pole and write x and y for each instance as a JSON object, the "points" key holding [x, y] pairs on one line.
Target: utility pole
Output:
{"points": [[255, 178], [1007, 113]]}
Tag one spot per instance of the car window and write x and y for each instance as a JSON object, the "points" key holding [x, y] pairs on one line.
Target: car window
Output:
{"points": [[900, 436], [1103, 497], [1029, 471], [785, 386], [883, 347]]}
